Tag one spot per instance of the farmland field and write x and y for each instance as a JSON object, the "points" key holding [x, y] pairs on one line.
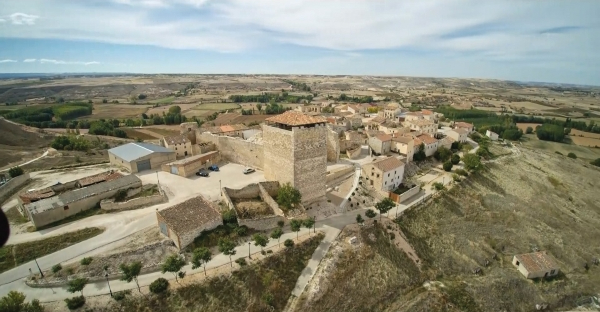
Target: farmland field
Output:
{"points": [[530, 140], [167, 100], [583, 141], [136, 134], [163, 132], [119, 111], [523, 126], [575, 132], [159, 110], [217, 106]]}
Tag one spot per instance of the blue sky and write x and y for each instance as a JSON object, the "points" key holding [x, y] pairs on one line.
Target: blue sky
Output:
{"points": [[551, 41]]}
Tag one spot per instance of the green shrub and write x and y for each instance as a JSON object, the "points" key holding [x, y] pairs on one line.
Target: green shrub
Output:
{"points": [[448, 166], [559, 153], [438, 186], [241, 261], [572, 155], [120, 295], [455, 159], [15, 171], [529, 130], [86, 261], [455, 177], [75, 302], [241, 230], [121, 195], [596, 162], [229, 216], [288, 243], [370, 213], [56, 268], [280, 223], [160, 285]]}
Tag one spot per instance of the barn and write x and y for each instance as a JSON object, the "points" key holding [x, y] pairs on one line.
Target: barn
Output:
{"points": [[137, 156]]}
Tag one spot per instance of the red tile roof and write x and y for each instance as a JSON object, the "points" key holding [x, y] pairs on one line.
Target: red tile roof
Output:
{"points": [[384, 137], [388, 164], [426, 112], [295, 118], [461, 124], [189, 215], [427, 139], [537, 261], [101, 177]]}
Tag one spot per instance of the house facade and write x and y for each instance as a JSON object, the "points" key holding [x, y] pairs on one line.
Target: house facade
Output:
{"points": [[383, 175], [381, 144], [423, 126], [180, 144], [492, 135], [404, 146], [464, 125], [458, 135], [430, 143]]}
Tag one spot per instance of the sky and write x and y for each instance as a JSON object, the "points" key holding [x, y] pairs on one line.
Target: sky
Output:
{"points": [[523, 40]]}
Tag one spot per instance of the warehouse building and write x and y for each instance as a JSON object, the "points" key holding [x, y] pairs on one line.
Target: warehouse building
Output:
{"points": [[189, 166], [137, 157]]}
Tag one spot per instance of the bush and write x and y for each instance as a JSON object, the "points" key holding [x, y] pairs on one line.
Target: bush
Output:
{"points": [[241, 261], [121, 195], [56, 268], [370, 213], [559, 153], [455, 159], [242, 230], [86, 261], [75, 302], [596, 162], [442, 154], [120, 295], [512, 134], [550, 132], [229, 217], [15, 171], [529, 130], [280, 223], [572, 155], [472, 162], [448, 166], [456, 178], [160, 285], [461, 172], [438, 186], [288, 243]]}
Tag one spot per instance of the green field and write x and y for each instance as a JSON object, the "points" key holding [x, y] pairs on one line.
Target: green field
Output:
{"points": [[216, 106], [167, 100], [530, 140]]}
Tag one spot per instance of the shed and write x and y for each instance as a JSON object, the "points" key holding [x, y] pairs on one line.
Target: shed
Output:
{"points": [[536, 264], [189, 166], [185, 221], [138, 157]]}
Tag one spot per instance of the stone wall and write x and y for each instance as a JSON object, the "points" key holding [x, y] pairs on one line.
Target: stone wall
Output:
{"points": [[12, 186], [235, 149], [333, 146], [310, 162], [267, 191], [187, 238], [279, 155], [109, 204], [198, 149], [338, 173], [354, 153], [261, 224]]}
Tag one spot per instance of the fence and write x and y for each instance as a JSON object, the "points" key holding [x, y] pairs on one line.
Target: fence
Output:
{"points": [[12, 186]]}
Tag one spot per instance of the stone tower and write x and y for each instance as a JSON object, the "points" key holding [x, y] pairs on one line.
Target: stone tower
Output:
{"points": [[295, 151]]}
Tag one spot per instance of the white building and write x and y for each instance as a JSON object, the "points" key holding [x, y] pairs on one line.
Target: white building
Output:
{"points": [[536, 264], [492, 135], [423, 126], [458, 135], [385, 174]]}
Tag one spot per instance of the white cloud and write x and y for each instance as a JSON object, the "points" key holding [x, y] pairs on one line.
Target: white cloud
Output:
{"points": [[23, 19], [8, 61], [61, 62], [29, 60]]}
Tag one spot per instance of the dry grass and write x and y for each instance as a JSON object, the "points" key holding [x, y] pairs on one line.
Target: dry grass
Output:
{"points": [[164, 132], [136, 134], [251, 208], [118, 111], [583, 141]]}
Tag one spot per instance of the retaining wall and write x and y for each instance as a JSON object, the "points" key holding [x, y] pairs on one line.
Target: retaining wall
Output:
{"points": [[110, 204], [354, 153], [235, 149], [12, 186], [338, 173], [261, 224]]}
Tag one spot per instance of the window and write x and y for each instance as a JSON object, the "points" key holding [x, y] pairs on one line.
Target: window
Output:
{"points": [[388, 175], [552, 272], [372, 173], [517, 262], [385, 183], [378, 175], [66, 207]]}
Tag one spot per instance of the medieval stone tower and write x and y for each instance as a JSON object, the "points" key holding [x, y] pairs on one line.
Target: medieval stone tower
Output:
{"points": [[295, 151]]}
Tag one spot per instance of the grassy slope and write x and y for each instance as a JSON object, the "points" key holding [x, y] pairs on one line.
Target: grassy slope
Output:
{"points": [[246, 289], [13, 255]]}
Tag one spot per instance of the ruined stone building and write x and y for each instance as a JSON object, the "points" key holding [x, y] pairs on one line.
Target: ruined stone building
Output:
{"points": [[295, 151]]}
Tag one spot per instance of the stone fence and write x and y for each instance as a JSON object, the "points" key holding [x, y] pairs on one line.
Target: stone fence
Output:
{"points": [[37, 283], [263, 190], [261, 224], [338, 173], [110, 204], [354, 153], [12, 186]]}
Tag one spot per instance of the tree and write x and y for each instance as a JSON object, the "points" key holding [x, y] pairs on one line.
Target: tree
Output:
{"points": [[308, 223], [15, 171], [512, 134], [572, 155], [227, 247], [455, 159], [448, 166], [76, 285], [295, 225], [173, 110], [384, 206], [260, 240], [288, 196], [550, 132], [160, 285], [201, 256], [442, 154], [596, 162], [472, 162], [104, 101], [131, 272], [86, 261], [142, 96], [529, 130], [14, 301], [359, 219], [276, 234], [420, 154], [173, 264], [370, 213], [259, 107], [288, 243]]}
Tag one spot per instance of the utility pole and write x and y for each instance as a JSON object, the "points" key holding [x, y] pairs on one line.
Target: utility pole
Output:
{"points": [[106, 275], [42, 274], [249, 257], [314, 224]]}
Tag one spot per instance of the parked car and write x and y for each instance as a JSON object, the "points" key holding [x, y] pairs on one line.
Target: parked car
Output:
{"points": [[248, 170], [202, 173], [213, 168]]}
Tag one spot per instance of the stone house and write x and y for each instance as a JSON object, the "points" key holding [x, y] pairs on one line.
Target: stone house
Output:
{"points": [[392, 111], [404, 146], [413, 116], [492, 135], [464, 125], [458, 135], [185, 221], [179, 143], [423, 126], [358, 109], [445, 142], [536, 264], [374, 123], [48, 210], [311, 108], [383, 175], [189, 166], [381, 144], [393, 128], [295, 151], [431, 144], [355, 121]]}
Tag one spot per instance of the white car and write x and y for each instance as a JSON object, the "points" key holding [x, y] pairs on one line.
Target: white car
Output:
{"points": [[248, 170]]}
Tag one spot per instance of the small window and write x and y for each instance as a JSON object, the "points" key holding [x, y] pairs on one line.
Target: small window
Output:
{"points": [[385, 183], [372, 173], [388, 175], [378, 175], [66, 207], [552, 272], [518, 263]]}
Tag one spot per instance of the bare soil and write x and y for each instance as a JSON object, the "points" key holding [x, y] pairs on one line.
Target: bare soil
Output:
{"points": [[251, 208]]}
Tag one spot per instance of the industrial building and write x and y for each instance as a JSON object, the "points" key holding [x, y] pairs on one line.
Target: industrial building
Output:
{"points": [[137, 157], [189, 166]]}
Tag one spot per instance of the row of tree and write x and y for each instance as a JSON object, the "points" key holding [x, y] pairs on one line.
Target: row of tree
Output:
{"points": [[271, 98]]}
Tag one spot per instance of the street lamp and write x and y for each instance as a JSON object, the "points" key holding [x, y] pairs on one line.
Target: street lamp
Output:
{"points": [[42, 274], [106, 275], [314, 224], [249, 257]]}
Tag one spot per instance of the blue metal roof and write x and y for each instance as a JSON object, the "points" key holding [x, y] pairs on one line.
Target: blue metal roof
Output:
{"points": [[133, 151]]}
